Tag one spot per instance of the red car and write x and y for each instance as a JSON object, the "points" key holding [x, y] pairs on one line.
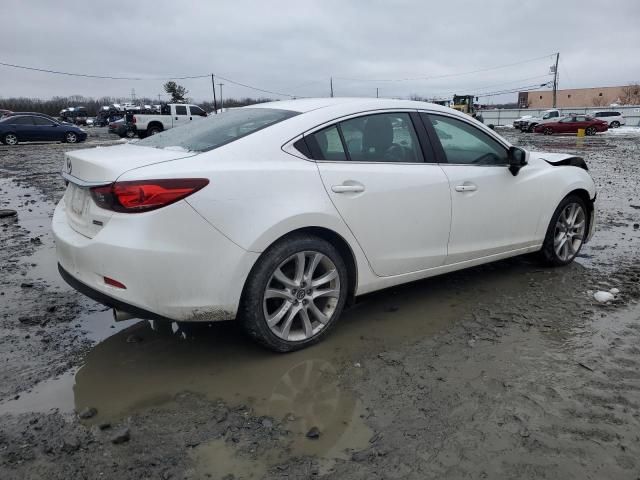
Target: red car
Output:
{"points": [[571, 124]]}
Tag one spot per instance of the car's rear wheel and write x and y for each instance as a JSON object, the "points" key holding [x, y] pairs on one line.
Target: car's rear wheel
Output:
{"points": [[548, 131], [70, 137], [294, 294], [591, 131], [10, 139], [615, 124], [566, 233], [130, 133], [153, 130]]}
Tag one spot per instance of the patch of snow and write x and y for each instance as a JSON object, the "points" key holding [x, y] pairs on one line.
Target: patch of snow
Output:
{"points": [[176, 148], [624, 130], [615, 291], [603, 297]]}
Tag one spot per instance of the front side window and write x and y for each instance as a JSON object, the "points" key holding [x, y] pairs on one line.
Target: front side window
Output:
{"points": [[197, 111], [181, 110], [42, 121], [217, 130], [465, 144], [581, 119]]}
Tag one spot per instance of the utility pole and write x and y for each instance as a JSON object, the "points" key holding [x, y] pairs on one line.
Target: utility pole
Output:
{"points": [[159, 101], [133, 95], [555, 80], [331, 85], [376, 92], [213, 85], [221, 102]]}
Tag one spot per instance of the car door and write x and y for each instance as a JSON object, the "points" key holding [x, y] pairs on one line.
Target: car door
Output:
{"points": [[493, 211], [196, 113], [568, 125], [24, 128], [180, 117], [387, 188], [46, 129]]}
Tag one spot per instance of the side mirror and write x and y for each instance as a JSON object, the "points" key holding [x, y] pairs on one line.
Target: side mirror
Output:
{"points": [[517, 159]]}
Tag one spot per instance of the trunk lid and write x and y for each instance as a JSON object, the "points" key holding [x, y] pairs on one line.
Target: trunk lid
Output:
{"points": [[100, 166]]}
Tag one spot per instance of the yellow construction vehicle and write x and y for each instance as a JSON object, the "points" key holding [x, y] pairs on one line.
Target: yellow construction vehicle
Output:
{"points": [[464, 104]]}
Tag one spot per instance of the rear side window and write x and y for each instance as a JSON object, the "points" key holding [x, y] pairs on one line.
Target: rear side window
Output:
{"points": [[382, 137], [181, 110], [20, 121], [42, 121], [217, 130], [197, 111]]}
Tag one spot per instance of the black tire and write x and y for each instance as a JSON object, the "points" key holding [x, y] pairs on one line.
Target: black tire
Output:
{"points": [[8, 139], [532, 128], [591, 131], [70, 137], [548, 253], [615, 124], [251, 313], [154, 129], [547, 131], [130, 133]]}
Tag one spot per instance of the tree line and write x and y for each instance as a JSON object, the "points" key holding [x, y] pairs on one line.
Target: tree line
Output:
{"points": [[53, 105]]}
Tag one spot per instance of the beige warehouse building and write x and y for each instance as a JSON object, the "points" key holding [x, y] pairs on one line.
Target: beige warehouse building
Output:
{"points": [[577, 97]]}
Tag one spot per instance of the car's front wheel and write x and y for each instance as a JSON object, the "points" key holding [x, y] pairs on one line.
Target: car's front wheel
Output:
{"points": [[567, 231], [295, 293], [591, 131], [10, 139], [71, 137]]}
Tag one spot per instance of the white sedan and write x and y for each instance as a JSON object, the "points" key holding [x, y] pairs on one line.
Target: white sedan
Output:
{"points": [[278, 214]]}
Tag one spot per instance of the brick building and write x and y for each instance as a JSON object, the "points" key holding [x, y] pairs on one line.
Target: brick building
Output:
{"points": [[576, 97]]}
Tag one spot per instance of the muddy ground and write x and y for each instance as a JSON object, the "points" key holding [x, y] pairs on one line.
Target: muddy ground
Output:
{"points": [[509, 370]]}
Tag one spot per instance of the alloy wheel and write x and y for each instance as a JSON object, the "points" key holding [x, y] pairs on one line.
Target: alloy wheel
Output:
{"points": [[569, 232], [301, 296], [591, 131], [71, 137], [548, 131], [11, 139]]}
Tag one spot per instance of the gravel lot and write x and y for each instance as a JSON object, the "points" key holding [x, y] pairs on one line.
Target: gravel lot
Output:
{"points": [[508, 370]]}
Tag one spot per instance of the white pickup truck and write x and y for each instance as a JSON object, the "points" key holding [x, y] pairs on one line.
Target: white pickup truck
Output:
{"points": [[172, 115], [527, 125]]}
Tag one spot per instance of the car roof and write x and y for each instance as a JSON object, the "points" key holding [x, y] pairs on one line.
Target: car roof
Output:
{"points": [[13, 114], [353, 103]]}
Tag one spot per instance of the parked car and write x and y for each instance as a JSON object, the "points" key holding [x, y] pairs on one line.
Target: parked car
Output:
{"points": [[75, 115], [38, 114], [548, 115], [4, 113], [280, 213], [172, 115], [28, 128], [122, 128], [613, 119], [571, 124]]}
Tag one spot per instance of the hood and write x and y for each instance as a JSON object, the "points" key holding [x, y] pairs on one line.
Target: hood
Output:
{"points": [[105, 165]]}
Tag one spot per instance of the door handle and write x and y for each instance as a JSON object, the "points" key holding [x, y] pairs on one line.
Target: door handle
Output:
{"points": [[466, 188], [347, 188]]}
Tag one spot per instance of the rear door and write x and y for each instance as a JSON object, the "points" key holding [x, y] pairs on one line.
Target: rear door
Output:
{"points": [[181, 115], [380, 174], [24, 128], [492, 211]]}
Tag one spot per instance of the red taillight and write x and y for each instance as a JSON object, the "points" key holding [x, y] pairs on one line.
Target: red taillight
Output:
{"points": [[133, 120], [144, 195]]}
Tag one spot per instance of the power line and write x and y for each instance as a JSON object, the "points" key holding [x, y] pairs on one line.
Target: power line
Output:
{"points": [[105, 77], [109, 77], [449, 75]]}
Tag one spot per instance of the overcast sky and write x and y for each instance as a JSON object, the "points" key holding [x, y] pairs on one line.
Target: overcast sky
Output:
{"points": [[295, 46]]}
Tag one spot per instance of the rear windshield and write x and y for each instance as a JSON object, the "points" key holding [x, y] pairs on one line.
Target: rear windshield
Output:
{"points": [[217, 130]]}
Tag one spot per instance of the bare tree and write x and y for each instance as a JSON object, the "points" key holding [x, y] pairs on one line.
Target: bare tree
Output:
{"points": [[599, 101], [631, 94]]}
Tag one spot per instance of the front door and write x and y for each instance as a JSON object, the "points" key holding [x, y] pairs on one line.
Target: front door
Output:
{"points": [[180, 117], [396, 204], [492, 210]]}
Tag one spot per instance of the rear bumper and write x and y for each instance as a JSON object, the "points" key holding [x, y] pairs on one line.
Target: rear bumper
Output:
{"points": [[173, 263]]}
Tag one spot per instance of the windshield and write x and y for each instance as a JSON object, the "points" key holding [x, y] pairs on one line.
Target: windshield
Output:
{"points": [[217, 130]]}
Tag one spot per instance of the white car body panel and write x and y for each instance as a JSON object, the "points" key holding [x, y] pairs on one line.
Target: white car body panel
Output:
{"points": [[190, 260]]}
